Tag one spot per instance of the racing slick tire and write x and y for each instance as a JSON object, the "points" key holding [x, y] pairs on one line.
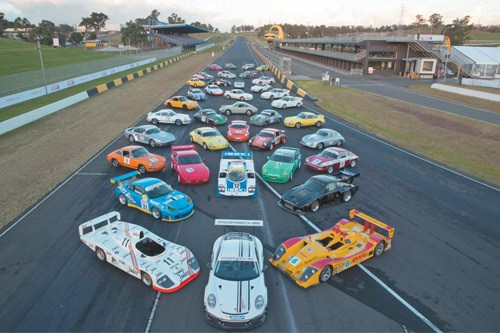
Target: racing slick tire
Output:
{"points": [[266, 123], [339, 143], [154, 121], [156, 213], [178, 122], [319, 123], [379, 249], [152, 143], [114, 163], [271, 147], [271, 97], [179, 178], [315, 206], [205, 146], [283, 106], [320, 145], [326, 274], [146, 279], [100, 254], [228, 112], [122, 199], [184, 107], [249, 112], [299, 105], [227, 96], [353, 163], [346, 196], [142, 169], [297, 125], [242, 98], [169, 105], [131, 138], [330, 169], [291, 177], [191, 139]]}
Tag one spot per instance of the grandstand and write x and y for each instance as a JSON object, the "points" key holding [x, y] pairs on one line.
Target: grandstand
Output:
{"points": [[164, 35]]}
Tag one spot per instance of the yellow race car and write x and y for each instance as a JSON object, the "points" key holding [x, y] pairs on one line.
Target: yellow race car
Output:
{"points": [[195, 82], [315, 258], [208, 138], [181, 102], [305, 119]]}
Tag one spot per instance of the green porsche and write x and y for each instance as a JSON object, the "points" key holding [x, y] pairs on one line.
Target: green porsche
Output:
{"points": [[281, 165]]}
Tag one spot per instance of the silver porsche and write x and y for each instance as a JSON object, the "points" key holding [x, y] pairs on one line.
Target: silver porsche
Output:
{"points": [[149, 134], [323, 138]]}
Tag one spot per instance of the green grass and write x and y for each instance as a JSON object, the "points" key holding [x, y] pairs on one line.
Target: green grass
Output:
{"points": [[484, 36], [18, 109], [18, 56]]}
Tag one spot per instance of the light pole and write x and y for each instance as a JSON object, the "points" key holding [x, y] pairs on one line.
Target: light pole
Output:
{"points": [[447, 55], [39, 49]]}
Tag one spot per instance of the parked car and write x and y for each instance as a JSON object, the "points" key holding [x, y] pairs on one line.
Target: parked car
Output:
{"points": [[208, 138], [287, 102], [238, 94], [210, 117], [266, 117], [181, 102], [248, 74], [138, 158], [230, 66], [324, 137], [262, 68], [214, 67], [238, 107], [226, 75], [195, 82], [260, 87], [188, 164], [267, 139], [263, 79], [149, 134], [239, 84], [196, 94], [332, 159], [238, 131], [248, 66], [214, 90], [305, 119], [275, 93], [220, 82], [281, 165], [168, 116]]}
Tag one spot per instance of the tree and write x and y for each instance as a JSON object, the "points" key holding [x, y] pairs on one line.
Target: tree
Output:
{"points": [[154, 15], [2, 15], [174, 19], [76, 38], [435, 20], [94, 23], [133, 34], [45, 32], [64, 29], [419, 21], [460, 30]]}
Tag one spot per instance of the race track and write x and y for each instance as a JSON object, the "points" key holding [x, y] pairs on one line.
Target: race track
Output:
{"points": [[441, 274]]}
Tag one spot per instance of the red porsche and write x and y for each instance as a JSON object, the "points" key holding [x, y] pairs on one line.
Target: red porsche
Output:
{"points": [[238, 131], [214, 67], [189, 165], [267, 139]]}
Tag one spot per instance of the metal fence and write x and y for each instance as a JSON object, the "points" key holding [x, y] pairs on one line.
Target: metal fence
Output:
{"points": [[14, 83]]}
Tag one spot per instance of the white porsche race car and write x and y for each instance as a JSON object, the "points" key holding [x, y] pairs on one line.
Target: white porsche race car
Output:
{"points": [[236, 293], [236, 175], [164, 265]]}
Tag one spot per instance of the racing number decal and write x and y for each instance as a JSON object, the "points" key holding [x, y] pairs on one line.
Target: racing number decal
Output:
{"points": [[126, 160], [294, 261], [144, 204]]}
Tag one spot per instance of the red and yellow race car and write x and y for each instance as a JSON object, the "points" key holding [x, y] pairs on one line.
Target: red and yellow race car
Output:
{"points": [[238, 131], [315, 258], [138, 158]]}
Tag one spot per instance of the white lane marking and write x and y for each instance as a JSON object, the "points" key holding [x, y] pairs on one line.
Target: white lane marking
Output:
{"points": [[91, 174], [406, 152], [153, 311]]}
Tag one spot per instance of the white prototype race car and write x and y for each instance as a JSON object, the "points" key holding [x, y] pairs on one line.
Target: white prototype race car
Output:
{"points": [[236, 175], [236, 293], [163, 265]]}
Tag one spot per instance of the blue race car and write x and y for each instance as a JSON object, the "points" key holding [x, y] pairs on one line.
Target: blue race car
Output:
{"points": [[196, 94], [153, 196]]}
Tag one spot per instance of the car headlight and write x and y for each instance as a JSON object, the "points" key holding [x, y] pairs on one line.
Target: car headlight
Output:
{"points": [[165, 282], [285, 173], [259, 302], [211, 300], [193, 263], [189, 201], [310, 271], [279, 252], [222, 189], [265, 170], [251, 189]]}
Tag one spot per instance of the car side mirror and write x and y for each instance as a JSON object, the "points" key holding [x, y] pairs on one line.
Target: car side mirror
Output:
{"points": [[209, 266]]}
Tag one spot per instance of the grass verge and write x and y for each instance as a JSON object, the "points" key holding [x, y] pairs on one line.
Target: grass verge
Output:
{"points": [[465, 145]]}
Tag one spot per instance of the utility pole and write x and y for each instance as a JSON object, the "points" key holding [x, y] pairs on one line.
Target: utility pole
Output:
{"points": [[39, 49]]}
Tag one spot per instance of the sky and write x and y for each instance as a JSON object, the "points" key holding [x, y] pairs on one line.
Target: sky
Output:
{"points": [[223, 14]]}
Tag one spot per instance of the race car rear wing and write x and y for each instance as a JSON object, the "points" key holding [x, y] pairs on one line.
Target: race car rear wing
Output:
{"points": [[98, 222], [371, 224], [182, 147], [126, 176]]}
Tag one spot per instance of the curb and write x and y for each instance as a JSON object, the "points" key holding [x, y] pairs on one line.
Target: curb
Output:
{"points": [[289, 84]]}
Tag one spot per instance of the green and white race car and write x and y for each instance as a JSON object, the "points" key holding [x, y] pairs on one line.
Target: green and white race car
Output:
{"points": [[281, 165]]}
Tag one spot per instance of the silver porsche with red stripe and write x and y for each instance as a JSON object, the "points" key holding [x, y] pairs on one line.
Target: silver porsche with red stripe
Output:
{"points": [[163, 265], [236, 294]]}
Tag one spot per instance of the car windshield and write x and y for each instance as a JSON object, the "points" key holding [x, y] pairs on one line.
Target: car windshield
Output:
{"points": [[236, 270], [322, 133], [266, 134], [236, 172], [315, 185], [243, 126], [149, 247], [140, 152], [209, 133], [196, 91], [192, 159], [281, 158], [153, 130], [182, 99], [158, 190], [328, 153]]}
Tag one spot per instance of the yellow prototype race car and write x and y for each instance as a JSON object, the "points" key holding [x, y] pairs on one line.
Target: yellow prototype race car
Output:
{"points": [[208, 138], [315, 258], [305, 119]]}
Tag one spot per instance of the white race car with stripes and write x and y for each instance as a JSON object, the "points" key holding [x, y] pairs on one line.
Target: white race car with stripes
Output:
{"points": [[236, 294], [164, 265]]}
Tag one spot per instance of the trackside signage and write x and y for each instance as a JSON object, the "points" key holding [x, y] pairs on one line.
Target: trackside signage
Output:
{"points": [[239, 223]]}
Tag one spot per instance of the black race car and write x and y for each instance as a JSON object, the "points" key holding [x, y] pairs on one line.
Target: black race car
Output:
{"points": [[210, 117], [318, 191], [219, 82]]}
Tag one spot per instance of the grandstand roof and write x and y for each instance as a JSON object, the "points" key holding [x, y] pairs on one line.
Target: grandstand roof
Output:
{"points": [[481, 55], [179, 28]]}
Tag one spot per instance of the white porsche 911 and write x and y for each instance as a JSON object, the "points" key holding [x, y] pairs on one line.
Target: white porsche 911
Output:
{"points": [[161, 264], [236, 294]]}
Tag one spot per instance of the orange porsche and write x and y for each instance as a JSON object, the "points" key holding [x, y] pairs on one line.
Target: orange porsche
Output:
{"points": [[137, 157]]}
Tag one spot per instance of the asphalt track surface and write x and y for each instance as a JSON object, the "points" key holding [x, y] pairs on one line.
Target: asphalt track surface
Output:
{"points": [[444, 260], [392, 87]]}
